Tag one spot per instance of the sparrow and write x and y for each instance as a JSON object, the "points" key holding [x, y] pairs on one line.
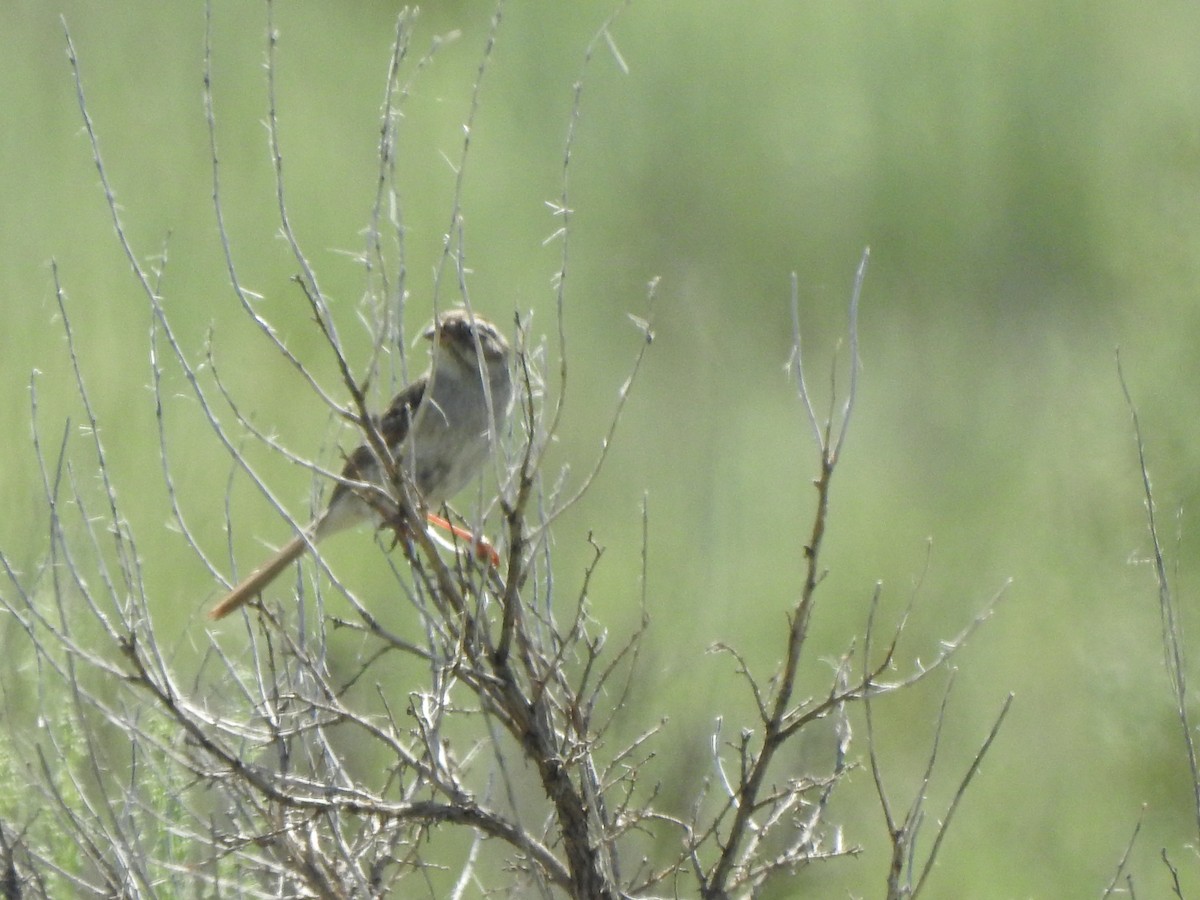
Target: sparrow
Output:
{"points": [[440, 430]]}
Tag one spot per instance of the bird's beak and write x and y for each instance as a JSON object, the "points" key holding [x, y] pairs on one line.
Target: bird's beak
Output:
{"points": [[431, 332]]}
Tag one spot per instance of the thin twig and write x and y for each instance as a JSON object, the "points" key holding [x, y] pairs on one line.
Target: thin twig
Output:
{"points": [[1172, 632], [967, 778], [1124, 861]]}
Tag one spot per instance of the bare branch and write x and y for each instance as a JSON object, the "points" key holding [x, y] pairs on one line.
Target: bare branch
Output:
{"points": [[1121, 866], [971, 772], [1172, 633]]}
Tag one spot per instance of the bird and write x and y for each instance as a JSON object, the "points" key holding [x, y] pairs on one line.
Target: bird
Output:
{"points": [[440, 430]]}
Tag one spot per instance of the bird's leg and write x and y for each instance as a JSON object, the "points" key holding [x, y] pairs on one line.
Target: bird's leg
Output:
{"points": [[482, 547]]}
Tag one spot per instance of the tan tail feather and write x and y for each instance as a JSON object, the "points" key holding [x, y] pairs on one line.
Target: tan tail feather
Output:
{"points": [[333, 520], [254, 583]]}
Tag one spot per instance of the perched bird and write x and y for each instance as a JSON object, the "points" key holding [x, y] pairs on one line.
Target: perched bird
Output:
{"points": [[441, 429]]}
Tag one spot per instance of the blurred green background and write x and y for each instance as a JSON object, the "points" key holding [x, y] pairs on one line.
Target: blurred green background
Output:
{"points": [[1028, 179]]}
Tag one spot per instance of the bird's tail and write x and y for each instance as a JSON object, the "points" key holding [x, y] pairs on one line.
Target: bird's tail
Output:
{"points": [[254, 583]]}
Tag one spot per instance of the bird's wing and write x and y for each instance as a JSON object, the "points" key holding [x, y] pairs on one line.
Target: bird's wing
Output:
{"points": [[393, 428]]}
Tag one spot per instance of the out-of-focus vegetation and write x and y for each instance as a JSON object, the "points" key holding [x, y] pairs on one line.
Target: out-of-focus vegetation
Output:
{"points": [[1028, 179]]}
